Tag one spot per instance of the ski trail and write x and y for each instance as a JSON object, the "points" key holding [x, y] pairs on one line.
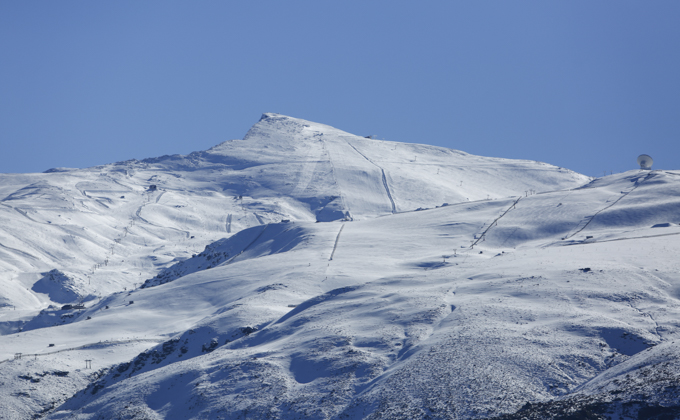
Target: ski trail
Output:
{"points": [[259, 218], [126, 230], [492, 224], [586, 220], [387, 189], [310, 163], [119, 183], [18, 251], [23, 213], [384, 177], [335, 178], [229, 223], [138, 213], [247, 246], [119, 238], [335, 246], [146, 202]]}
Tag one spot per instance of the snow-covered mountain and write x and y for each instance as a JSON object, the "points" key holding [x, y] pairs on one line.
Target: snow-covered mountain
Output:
{"points": [[304, 272], [110, 228]]}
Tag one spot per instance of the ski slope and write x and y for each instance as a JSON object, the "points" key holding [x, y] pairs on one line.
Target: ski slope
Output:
{"points": [[112, 227], [327, 279]]}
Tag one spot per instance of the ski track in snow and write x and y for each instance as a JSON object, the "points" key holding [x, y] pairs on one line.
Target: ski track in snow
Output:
{"points": [[138, 213], [309, 164], [384, 178], [18, 251], [25, 214], [335, 245], [495, 223], [335, 178], [586, 221], [259, 219]]}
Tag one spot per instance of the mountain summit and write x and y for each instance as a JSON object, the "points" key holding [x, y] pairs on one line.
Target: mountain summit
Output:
{"points": [[305, 272], [96, 224]]}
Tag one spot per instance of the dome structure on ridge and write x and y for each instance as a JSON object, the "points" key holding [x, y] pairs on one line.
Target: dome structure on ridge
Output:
{"points": [[645, 161]]}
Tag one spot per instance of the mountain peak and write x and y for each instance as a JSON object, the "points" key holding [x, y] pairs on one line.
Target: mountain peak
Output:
{"points": [[270, 115], [308, 272]]}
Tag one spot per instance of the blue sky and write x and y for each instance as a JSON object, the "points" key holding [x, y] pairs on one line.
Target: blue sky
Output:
{"points": [[586, 85]]}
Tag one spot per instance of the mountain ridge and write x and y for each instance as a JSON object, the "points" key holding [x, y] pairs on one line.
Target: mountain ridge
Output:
{"points": [[332, 276]]}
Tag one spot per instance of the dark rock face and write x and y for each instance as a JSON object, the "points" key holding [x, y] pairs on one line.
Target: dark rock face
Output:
{"points": [[58, 286], [590, 409], [209, 258]]}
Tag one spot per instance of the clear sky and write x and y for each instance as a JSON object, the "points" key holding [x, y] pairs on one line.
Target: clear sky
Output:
{"points": [[586, 85]]}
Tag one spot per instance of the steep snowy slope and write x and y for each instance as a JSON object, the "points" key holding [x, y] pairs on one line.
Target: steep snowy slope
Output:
{"points": [[110, 228], [566, 300]]}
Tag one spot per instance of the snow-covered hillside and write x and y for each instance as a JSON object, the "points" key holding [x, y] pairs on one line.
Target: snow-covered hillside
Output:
{"points": [[110, 228], [304, 272]]}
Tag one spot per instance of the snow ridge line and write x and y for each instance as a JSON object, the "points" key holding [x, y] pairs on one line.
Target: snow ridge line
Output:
{"points": [[590, 219], [495, 222], [337, 238], [247, 246], [384, 178]]}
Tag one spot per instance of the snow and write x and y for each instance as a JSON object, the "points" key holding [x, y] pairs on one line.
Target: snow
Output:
{"points": [[307, 272]]}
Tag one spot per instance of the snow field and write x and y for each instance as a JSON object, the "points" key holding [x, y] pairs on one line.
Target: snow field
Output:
{"points": [[534, 284]]}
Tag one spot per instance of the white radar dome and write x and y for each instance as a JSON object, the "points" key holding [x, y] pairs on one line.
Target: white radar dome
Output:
{"points": [[645, 161]]}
